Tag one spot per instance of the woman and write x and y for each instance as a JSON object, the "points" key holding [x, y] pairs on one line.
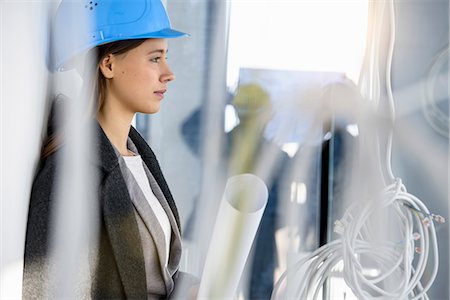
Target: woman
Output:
{"points": [[139, 246]]}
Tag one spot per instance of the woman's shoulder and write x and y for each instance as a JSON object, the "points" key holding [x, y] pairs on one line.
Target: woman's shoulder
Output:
{"points": [[45, 176]]}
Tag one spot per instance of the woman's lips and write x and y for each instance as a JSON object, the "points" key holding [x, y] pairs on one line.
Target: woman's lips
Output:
{"points": [[160, 93]]}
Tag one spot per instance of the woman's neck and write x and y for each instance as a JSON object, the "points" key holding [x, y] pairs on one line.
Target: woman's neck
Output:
{"points": [[116, 127]]}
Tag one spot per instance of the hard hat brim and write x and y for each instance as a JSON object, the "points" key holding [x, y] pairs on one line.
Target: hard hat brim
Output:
{"points": [[161, 34], [165, 33]]}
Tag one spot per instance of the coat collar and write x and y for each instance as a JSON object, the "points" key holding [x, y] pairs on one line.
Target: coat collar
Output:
{"points": [[106, 156]]}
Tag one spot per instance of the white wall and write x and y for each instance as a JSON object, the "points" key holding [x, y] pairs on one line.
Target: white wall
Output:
{"points": [[23, 93]]}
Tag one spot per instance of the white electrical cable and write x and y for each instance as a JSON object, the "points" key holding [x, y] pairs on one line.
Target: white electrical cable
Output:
{"points": [[402, 262], [369, 81], [389, 88]]}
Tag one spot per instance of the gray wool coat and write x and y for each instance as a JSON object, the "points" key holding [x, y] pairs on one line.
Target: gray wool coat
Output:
{"points": [[119, 272]]}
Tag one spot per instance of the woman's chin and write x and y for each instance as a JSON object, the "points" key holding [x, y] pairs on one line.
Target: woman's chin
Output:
{"points": [[153, 109]]}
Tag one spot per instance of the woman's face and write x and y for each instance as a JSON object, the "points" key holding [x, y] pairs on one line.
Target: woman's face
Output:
{"points": [[137, 79]]}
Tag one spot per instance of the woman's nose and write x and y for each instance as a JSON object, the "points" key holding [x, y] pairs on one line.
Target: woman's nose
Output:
{"points": [[167, 75]]}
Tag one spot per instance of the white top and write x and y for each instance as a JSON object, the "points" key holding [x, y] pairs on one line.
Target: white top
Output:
{"points": [[135, 165]]}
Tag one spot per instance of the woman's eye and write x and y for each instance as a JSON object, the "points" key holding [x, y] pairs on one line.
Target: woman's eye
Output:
{"points": [[156, 59]]}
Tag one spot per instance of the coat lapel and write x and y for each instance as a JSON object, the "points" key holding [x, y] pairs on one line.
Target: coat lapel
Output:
{"points": [[152, 225], [152, 163], [175, 247], [147, 215], [120, 222]]}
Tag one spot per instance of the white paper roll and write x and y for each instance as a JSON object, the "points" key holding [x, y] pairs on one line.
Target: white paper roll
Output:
{"points": [[240, 212]]}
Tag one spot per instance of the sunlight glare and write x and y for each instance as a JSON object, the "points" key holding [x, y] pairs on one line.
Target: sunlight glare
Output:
{"points": [[297, 35]]}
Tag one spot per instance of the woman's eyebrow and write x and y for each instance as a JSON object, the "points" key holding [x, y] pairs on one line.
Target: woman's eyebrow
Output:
{"points": [[162, 51]]}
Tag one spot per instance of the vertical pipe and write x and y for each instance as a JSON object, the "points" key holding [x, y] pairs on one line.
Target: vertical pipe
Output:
{"points": [[326, 192]]}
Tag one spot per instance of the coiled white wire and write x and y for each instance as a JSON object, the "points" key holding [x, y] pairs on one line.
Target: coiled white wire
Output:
{"points": [[402, 262]]}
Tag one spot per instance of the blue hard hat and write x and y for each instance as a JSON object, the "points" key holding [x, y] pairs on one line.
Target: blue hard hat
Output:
{"points": [[81, 25]]}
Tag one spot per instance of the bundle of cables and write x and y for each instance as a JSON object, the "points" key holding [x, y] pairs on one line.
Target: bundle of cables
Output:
{"points": [[401, 264], [406, 260]]}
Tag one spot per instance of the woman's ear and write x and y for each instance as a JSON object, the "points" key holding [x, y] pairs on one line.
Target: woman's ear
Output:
{"points": [[106, 66]]}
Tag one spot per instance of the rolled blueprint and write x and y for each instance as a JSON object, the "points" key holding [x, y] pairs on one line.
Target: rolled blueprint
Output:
{"points": [[239, 215]]}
